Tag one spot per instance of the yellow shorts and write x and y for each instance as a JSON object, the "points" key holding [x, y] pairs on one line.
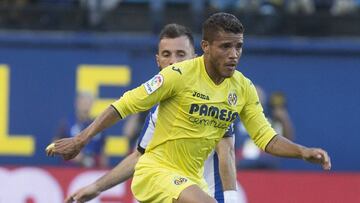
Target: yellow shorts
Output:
{"points": [[159, 185]]}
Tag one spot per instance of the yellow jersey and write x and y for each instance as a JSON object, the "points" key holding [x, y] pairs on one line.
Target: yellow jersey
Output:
{"points": [[194, 114]]}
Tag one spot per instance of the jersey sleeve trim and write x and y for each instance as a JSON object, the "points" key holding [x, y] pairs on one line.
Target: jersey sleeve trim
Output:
{"points": [[140, 149], [269, 141], [116, 111], [266, 139]]}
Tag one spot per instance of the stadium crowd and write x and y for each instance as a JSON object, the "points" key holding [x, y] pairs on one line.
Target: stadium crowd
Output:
{"points": [[286, 17]]}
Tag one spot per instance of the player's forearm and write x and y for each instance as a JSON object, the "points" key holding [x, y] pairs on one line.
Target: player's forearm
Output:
{"points": [[106, 119], [281, 146], [228, 175], [227, 168], [120, 173]]}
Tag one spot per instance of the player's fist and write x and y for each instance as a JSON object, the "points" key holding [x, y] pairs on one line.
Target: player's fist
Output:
{"points": [[67, 148]]}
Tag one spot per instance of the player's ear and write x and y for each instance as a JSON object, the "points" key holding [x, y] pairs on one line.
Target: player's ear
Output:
{"points": [[205, 46], [157, 60]]}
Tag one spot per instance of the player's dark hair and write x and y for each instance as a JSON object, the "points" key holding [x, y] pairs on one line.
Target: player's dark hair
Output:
{"points": [[174, 30], [221, 22]]}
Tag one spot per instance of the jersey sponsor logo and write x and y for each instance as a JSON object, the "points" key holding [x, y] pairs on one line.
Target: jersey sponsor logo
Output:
{"points": [[154, 83], [179, 180], [232, 98], [177, 70], [209, 122], [213, 111], [201, 96]]}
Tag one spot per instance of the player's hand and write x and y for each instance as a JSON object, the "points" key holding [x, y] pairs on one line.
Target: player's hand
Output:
{"points": [[317, 156], [83, 195], [67, 148]]}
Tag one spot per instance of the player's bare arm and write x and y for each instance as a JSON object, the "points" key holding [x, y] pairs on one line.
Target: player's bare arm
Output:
{"points": [[120, 173], [226, 155], [280, 146], [68, 148]]}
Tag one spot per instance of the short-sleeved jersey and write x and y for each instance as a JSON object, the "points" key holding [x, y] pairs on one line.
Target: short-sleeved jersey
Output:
{"points": [[194, 113]]}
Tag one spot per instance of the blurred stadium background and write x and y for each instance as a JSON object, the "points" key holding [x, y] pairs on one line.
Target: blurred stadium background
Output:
{"points": [[50, 49]]}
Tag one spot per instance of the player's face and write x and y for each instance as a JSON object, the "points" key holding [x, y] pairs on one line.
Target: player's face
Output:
{"points": [[83, 106], [173, 50], [224, 52]]}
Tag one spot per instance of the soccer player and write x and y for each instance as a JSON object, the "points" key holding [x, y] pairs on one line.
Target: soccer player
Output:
{"points": [[176, 44], [199, 99]]}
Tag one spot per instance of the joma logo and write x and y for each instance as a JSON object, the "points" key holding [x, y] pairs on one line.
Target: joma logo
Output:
{"points": [[201, 96]]}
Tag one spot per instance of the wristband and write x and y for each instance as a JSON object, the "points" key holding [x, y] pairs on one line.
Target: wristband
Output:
{"points": [[231, 196]]}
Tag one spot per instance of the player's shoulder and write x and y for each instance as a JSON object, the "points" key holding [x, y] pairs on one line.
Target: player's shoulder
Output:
{"points": [[186, 67], [182, 71]]}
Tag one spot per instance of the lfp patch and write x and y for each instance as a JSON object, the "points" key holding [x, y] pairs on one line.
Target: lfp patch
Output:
{"points": [[179, 180], [154, 83]]}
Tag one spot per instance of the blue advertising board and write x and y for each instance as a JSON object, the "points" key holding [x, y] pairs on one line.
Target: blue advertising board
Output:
{"points": [[40, 75]]}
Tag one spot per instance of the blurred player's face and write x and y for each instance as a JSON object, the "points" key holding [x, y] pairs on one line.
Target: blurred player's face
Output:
{"points": [[173, 50], [223, 53], [83, 106]]}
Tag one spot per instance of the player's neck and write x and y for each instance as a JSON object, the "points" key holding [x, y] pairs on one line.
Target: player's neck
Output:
{"points": [[212, 73]]}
